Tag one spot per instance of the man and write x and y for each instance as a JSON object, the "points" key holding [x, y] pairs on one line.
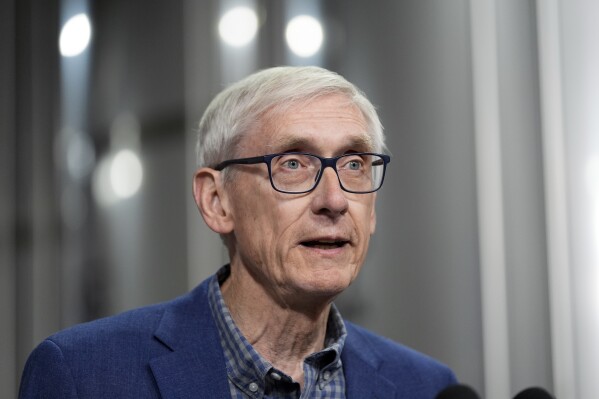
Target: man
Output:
{"points": [[289, 163]]}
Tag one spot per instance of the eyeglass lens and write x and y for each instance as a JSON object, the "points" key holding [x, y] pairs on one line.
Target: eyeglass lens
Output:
{"points": [[299, 172]]}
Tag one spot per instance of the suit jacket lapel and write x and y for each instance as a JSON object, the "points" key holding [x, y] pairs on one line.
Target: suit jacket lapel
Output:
{"points": [[362, 379], [193, 363]]}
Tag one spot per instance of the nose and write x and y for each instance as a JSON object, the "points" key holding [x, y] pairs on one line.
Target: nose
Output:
{"points": [[328, 197]]}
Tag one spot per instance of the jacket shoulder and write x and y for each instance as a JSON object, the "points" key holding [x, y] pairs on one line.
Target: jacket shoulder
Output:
{"points": [[135, 324], [79, 361], [398, 362], [110, 357]]}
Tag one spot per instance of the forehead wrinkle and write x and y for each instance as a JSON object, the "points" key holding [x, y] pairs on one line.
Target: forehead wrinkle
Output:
{"points": [[282, 143]]}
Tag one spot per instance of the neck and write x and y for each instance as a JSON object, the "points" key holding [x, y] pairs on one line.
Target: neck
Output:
{"points": [[284, 334]]}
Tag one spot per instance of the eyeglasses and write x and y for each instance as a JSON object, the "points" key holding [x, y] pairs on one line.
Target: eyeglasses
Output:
{"points": [[298, 172]]}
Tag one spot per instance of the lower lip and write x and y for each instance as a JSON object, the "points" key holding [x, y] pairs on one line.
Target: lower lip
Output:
{"points": [[333, 251]]}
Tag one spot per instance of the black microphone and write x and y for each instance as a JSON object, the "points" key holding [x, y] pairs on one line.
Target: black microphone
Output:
{"points": [[534, 393], [458, 391]]}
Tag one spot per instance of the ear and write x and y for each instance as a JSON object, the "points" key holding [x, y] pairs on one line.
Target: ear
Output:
{"points": [[211, 199], [373, 216]]}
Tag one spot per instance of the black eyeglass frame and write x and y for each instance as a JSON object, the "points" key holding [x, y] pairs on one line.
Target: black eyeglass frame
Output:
{"points": [[324, 163]]}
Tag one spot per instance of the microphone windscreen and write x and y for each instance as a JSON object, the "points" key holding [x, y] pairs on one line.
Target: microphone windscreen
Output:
{"points": [[534, 393], [458, 391]]}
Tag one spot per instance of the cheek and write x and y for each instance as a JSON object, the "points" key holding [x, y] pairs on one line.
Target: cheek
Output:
{"points": [[372, 211], [260, 223], [365, 218], [372, 221]]}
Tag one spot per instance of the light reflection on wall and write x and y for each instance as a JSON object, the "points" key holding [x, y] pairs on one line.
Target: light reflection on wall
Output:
{"points": [[238, 26], [304, 35], [75, 35], [119, 174], [304, 32], [75, 156]]}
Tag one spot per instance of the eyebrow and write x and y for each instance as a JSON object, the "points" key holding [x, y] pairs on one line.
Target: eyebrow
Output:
{"points": [[364, 141]]}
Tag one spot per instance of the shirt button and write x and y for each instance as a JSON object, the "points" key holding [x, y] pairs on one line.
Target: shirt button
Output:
{"points": [[253, 387], [326, 375], [275, 376]]}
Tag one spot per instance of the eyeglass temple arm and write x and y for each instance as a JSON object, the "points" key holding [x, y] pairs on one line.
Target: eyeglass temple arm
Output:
{"points": [[241, 161]]}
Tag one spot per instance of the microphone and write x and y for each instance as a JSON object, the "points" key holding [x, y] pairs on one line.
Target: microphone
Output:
{"points": [[458, 391], [534, 393]]}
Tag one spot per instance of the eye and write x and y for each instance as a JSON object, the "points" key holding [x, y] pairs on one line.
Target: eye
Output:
{"points": [[354, 165], [292, 164]]}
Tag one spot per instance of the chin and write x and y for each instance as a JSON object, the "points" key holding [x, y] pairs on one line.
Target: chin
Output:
{"points": [[321, 278], [327, 285]]}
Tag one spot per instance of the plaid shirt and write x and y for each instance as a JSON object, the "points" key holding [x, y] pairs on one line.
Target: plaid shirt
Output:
{"points": [[252, 376]]}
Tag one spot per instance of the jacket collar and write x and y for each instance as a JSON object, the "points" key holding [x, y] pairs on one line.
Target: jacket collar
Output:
{"points": [[362, 379], [194, 363]]}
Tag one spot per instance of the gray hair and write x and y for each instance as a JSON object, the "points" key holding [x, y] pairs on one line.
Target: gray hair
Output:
{"points": [[239, 108]]}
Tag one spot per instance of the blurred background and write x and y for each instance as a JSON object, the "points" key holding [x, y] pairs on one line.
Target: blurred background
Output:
{"points": [[486, 254]]}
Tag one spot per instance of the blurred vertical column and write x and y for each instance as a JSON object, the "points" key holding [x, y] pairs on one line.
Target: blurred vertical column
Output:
{"points": [[30, 241], [568, 34], [74, 153], [511, 202], [8, 308], [521, 149], [580, 74], [490, 198], [556, 194]]}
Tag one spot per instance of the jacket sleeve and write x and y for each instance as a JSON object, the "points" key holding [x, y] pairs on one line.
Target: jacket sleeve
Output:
{"points": [[47, 375]]}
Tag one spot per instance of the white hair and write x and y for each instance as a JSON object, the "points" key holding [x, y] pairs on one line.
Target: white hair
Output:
{"points": [[240, 107]]}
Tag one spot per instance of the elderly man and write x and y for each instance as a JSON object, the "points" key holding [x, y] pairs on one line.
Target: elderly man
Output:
{"points": [[289, 160]]}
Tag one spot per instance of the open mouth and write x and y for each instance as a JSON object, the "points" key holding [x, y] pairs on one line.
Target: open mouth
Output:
{"points": [[318, 244]]}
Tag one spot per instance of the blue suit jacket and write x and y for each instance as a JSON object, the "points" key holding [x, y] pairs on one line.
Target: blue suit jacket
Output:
{"points": [[172, 350]]}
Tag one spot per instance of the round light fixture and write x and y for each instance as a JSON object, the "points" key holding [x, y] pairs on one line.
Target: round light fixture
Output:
{"points": [[304, 35], [238, 26], [75, 36]]}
